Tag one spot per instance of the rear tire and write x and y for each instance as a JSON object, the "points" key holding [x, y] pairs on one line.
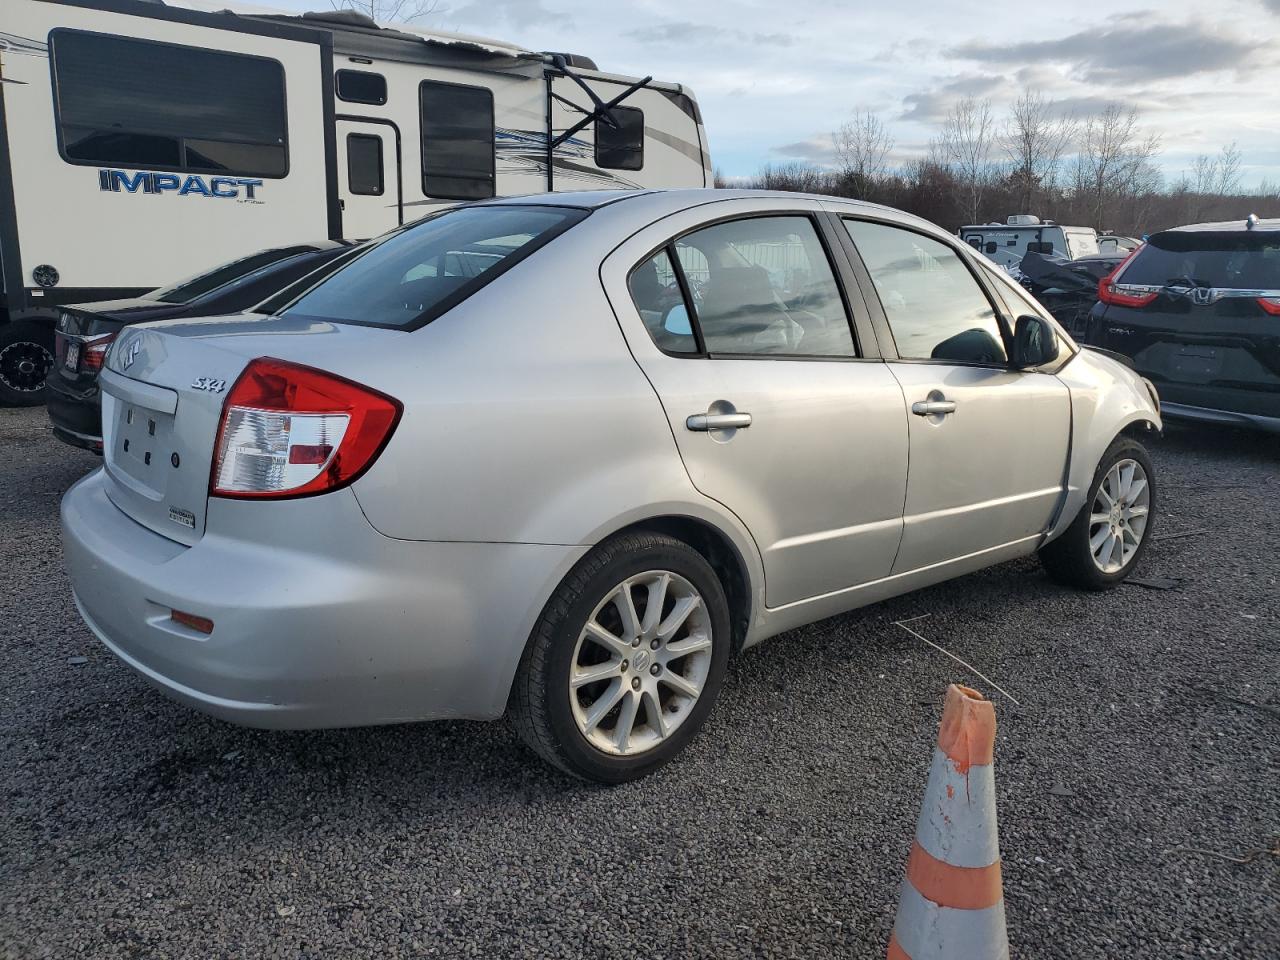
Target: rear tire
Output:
{"points": [[1080, 557], [655, 683], [26, 359]]}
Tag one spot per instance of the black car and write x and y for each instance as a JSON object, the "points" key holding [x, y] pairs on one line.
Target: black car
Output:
{"points": [[85, 331], [1197, 309]]}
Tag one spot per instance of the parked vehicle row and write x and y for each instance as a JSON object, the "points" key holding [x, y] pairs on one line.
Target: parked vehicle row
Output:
{"points": [[566, 455]]}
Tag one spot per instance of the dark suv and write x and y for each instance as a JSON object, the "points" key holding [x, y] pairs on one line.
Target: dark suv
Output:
{"points": [[1198, 310]]}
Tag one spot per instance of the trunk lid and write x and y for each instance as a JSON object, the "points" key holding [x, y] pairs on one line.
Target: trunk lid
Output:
{"points": [[163, 388]]}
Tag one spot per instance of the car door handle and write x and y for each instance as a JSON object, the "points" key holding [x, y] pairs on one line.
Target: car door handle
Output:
{"points": [[703, 422], [933, 408]]}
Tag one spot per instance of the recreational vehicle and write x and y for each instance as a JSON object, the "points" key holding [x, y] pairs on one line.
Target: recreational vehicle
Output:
{"points": [[143, 141], [1005, 243]]}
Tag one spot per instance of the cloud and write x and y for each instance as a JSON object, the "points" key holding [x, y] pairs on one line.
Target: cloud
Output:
{"points": [[932, 106], [818, 150], [1127, 50], [688, 32], [517, 13]]}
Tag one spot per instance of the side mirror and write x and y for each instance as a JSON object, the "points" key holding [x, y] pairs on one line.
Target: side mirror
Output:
{"points": [[1034, 343]]}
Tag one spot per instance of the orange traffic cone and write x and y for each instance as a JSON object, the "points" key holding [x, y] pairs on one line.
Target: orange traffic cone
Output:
{"points": [[952, 903]]}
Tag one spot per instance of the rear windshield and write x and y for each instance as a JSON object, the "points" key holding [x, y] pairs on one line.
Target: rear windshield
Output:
{"points": [[1233, 260], [192, 288], [413, 276]]}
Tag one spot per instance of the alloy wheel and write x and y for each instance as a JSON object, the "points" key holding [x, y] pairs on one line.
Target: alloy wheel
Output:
{"points": [[24, 365], [640, 663], [1118, 518]]}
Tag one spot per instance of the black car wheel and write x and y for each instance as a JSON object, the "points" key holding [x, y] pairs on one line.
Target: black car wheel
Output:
{"points": [[26, 358]]}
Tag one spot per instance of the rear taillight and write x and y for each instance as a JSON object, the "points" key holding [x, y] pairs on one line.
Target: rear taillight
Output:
{"points": [[289, 431], [1125, 294], [94, 351], [1270, 304]]}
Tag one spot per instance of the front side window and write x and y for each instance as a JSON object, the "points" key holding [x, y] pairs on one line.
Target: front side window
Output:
{"points": [[621, 147], [418, 273], [364, 164], [457, 141], [759, 286], [935, 308], [137, 103]]}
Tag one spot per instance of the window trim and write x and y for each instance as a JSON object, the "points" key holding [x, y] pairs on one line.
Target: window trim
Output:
{"points": [[595, 147], [168, 168], [493, 146], [382, 178], [337, 87], [884, 328], [815, 219]]}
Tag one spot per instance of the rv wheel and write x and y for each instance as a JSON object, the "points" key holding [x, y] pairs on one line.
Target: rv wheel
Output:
{"points": [[26, 358]]}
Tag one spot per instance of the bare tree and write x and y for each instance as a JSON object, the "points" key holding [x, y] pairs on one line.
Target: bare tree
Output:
{"points": [[967, 138], [388, 11], [862, 146], [1228, 181], [1035, 139], [1114, 162]]}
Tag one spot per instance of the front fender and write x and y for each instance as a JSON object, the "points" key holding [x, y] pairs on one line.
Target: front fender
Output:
{"points": [[1106, 399]]}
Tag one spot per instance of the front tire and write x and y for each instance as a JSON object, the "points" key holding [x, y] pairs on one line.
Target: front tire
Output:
{"points": [[26, 358], [626, 660], [1110, 533]]}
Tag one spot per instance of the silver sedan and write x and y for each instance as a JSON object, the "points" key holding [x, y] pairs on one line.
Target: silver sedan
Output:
{"points": [[565, 456]]}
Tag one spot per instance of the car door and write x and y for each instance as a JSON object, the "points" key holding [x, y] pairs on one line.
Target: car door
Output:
{"points": [[368, 177], [988, 443], [779, 412]]}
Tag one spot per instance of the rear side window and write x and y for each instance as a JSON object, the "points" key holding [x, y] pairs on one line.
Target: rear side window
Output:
{"points": [[621, 147], [138, 103], [360, 86], [1232, 260], [457, 141], [414, 275], [934, 306], [655, 289], [364, 164]]}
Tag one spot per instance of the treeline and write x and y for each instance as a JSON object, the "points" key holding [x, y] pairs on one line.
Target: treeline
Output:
{"points": [[1099, 171]]}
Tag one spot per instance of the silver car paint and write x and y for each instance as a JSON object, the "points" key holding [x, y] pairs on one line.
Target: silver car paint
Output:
{"points": [[534, 427]]}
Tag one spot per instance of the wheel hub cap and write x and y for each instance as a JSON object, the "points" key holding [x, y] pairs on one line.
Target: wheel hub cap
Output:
{"points": [[640, 663], [1118, 516]]}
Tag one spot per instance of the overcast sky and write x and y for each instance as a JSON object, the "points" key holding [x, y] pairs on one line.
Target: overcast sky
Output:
{"points": [[775, 76]]}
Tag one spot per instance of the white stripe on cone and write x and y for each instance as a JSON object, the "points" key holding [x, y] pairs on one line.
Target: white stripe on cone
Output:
{"points": [[926, 931], [958, 818]]}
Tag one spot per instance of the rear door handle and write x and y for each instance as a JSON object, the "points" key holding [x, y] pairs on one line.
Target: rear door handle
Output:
{"points": [[933, 408], [703, 422]]}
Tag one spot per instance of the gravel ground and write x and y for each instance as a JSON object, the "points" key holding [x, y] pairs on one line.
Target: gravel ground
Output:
{"points": [[1144, 753]]}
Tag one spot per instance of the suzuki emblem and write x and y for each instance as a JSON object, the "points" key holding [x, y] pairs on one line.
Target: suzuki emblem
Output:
{"points": [[131, 354]]}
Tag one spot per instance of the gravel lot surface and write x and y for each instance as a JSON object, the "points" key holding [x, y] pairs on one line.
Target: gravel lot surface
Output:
{"points": [[1148, 741]]}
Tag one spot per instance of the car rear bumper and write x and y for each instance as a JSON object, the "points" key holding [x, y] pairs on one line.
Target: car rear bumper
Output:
{"points": [[75, 414], [319, 620], [1182, 411]]}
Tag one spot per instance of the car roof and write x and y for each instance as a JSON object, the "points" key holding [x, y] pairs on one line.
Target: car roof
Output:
{"points": [[1228, 226], [663, 202]]}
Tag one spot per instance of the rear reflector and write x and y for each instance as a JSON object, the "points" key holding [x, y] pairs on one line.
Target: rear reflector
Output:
{"points": [[289, 430], [198, 624]]}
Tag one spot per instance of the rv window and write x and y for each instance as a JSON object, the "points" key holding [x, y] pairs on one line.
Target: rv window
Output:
{"points": [[357, 86], [621, 148], [457, 141], [139, 103], [364, 164]]}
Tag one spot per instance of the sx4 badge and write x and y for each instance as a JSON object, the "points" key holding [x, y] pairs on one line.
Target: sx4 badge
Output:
{"points": [[209, 384]]}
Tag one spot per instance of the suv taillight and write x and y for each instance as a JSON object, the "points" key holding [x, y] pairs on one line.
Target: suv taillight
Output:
{"points": [[1270, 304], [1125, 294], [291, 431]]}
